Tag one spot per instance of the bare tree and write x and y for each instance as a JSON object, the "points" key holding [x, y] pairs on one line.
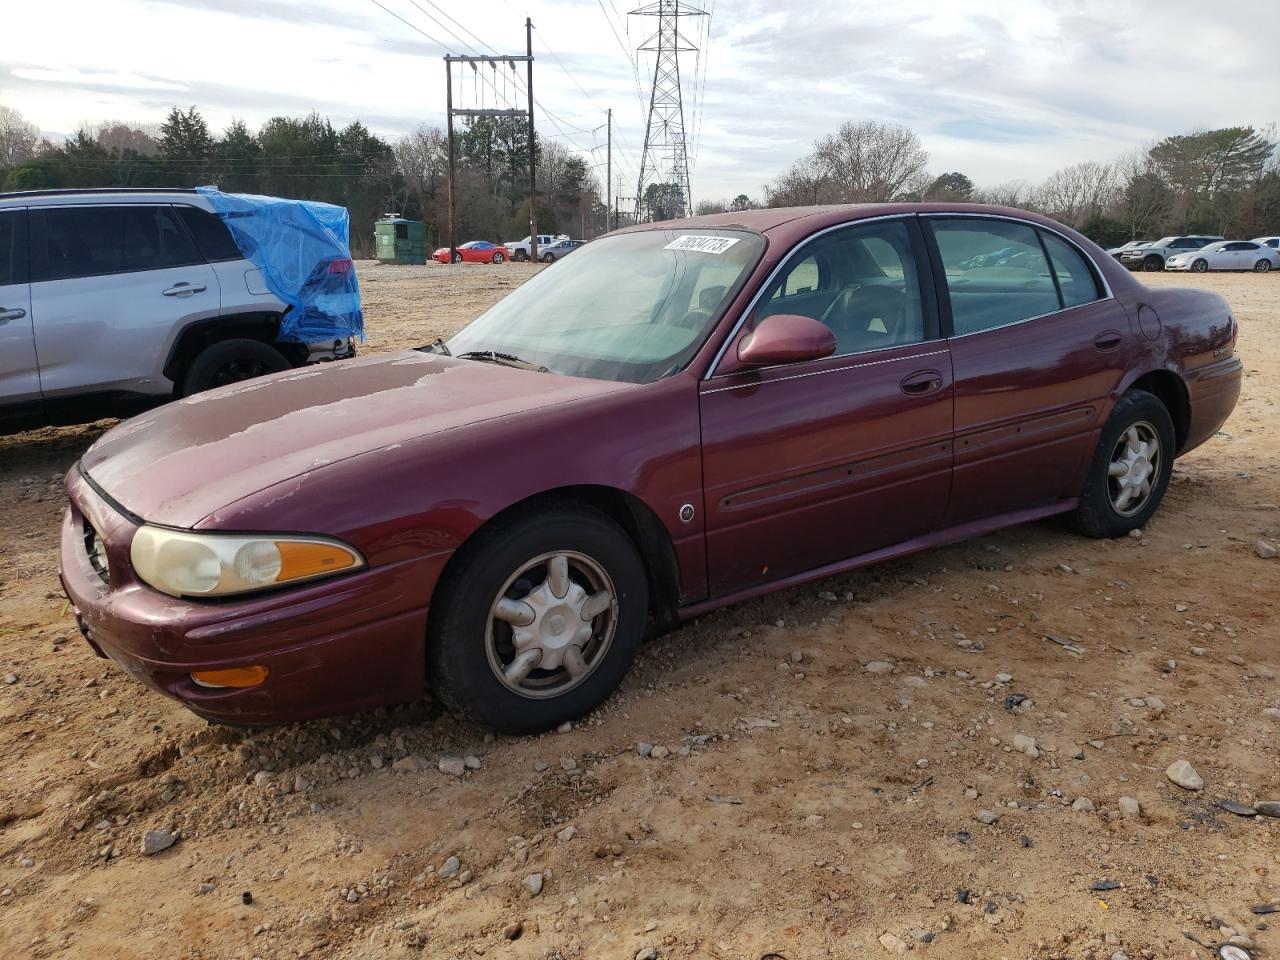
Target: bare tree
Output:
{"points": [[864, 162], [123, 138], [1011, 193], [423, 161], [1076, 193], [19, 140]]}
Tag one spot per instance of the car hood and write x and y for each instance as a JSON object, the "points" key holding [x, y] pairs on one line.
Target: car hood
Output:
{"points": [[178, 464]]}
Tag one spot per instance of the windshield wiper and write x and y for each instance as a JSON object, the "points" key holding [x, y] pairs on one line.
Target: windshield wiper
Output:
{"points": [[505, 359], [435, 346]]}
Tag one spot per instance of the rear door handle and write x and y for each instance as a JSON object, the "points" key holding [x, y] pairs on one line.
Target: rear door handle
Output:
{"points": [[184, 289], [921, 382], [7, 315], [1107, 341]]}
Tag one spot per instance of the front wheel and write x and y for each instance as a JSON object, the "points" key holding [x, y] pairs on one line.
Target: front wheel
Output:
{"points": [[537, 619], [1130, 469], [1153, 264], [548, 258], [1200, 266], [519, 256], [1262, 266], [499, 258], [457, 258]]}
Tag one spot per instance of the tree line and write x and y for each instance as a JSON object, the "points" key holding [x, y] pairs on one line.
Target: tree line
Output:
{"points": [[1224, 181], [308, 158]]}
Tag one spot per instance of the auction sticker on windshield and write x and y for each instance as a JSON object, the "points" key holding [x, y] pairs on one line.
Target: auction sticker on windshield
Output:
{"points": [[716, 245]]}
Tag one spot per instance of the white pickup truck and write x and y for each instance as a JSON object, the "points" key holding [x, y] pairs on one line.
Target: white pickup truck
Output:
{"points": [[520, 251]]}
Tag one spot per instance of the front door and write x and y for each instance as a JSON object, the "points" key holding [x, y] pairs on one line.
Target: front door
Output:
{"points": [[809, 464], [111, 284], [1038, 348], [19, 369]]}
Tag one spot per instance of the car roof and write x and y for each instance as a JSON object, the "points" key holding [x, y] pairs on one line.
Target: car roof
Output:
{"points": [[106, 194]]}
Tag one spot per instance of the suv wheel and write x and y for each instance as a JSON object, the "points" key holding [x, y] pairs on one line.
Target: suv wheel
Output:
{"points": [[520, 256], [1153, 264], [231, 361]]}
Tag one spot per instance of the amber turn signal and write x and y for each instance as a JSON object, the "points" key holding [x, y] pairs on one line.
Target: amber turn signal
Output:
{"points": [[234, 677], [303, 558]]}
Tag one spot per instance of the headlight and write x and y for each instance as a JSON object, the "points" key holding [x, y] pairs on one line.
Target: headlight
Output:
{"points": [[185, 564]]}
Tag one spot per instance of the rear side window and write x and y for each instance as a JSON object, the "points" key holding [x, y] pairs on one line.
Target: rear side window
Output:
{"points": [[211, 234], [996, 273], [13, 247], [1075, 279], [98, 241]]}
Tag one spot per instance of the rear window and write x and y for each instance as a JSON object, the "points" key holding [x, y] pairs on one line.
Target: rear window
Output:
{"points": [[211, 234], [1075, 279], [97, 241], [13, 248]]}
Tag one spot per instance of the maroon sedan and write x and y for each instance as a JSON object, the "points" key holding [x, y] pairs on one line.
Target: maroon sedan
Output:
{"points": [[683, 415]]}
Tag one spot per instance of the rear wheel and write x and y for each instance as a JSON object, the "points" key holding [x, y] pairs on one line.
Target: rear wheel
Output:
{"points": [[231, 361], [548, 258], [519, 256], [1153, 264], [1130, 469], [499, 258], [538, 619], [1200, 266], [1262, 266]]}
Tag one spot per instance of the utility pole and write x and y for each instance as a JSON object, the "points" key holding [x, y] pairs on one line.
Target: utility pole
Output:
{"points": [[665, 158], [533, 185], [608, 176], [452, 112]]}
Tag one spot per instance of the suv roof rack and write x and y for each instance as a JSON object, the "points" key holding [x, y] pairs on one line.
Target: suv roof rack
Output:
{"points": [[80, 191]]}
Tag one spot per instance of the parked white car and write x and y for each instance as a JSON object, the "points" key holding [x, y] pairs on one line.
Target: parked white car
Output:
{"points": [[1227, 255]]}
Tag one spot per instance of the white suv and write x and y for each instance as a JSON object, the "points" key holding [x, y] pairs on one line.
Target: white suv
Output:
{"points": [[115, 300], [520, 251]]}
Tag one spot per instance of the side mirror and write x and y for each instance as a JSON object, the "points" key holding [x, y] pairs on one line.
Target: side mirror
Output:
{"points": [[786, 338]]}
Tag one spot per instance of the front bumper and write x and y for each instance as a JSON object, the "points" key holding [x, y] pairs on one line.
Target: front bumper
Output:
{"points": [[1132, 263], [1177, 266], [336, 349], [332, 647]]}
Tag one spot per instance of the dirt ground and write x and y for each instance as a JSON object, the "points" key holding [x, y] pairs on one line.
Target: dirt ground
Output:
{"points": [[796, 804]]}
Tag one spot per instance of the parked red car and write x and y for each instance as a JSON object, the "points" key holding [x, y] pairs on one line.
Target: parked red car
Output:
{"points": [[477, 251], [683, 415]]}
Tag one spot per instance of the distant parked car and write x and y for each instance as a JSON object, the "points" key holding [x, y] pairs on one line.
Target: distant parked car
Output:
{"points": [[690, 414], [477, 251], [1272, 242], [1131, 245], [1152, 257], [114, 300], [561, 248], [1227, 255], [520, 251]]}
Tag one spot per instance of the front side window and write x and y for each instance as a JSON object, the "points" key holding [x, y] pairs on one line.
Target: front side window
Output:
{"points": [[860, 281], [634, 307], [13, 248], [107, 239], [996, 273]]}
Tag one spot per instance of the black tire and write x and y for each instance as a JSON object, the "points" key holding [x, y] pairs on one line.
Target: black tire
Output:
{"points": [[1262, 266], [1097, 516], [1153, 264], [520, 256], [457, 258], [1200, 266], [458, 663], [548, 258], [231, 361], [499, 258]]}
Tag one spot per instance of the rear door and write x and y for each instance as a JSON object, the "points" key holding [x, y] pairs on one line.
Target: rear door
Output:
{"points": [[110, 283], [1038, 346], [19, 370], [810, 464]]}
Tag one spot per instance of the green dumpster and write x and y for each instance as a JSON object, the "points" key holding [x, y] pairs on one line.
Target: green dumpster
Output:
{"points": [[399, 240]]}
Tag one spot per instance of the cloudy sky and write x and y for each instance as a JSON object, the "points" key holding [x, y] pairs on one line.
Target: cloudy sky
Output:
{"points": [[999, 90]]}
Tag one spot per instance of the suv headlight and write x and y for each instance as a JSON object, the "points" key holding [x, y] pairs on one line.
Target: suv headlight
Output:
{"points": [[185, 564]]}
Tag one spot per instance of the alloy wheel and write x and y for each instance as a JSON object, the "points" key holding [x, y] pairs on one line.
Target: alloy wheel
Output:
{"points": [[1262, 266], [1134, 468], [1199, 266], [551, 624]]}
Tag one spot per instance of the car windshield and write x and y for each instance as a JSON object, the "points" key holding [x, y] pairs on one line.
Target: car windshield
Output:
{"points": [[634, 307]]}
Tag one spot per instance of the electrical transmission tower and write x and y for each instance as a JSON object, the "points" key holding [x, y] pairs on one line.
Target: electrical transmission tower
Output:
{"points": [[665, 158]]}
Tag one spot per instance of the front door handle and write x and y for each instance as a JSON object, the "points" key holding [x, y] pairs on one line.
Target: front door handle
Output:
{"points": [[921, 382], [184, 289], [7, 315], [1107, 341]]}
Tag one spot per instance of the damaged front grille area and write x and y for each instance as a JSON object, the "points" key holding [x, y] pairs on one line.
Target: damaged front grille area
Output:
{"points": [[96, 550]]}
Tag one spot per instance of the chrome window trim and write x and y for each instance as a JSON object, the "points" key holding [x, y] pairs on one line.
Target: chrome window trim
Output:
{"points": [[1109, 294], [840, 369], [773, 275]]}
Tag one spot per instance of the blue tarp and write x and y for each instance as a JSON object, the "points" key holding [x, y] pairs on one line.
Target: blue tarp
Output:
{"points": [[301, 248]]}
